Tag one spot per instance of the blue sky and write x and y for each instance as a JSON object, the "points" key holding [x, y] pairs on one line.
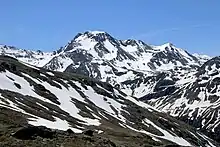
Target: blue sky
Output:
{"points": [[48, 24]]}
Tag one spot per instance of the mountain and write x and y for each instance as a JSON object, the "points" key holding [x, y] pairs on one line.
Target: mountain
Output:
{"points": [[37, 58], [102, 47], [122, 63], [202, 58], [193, 98], [32, 96]]}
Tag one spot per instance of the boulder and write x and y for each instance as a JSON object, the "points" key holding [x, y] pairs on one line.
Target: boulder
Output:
{"points": [[31, 132], [88, 132]]}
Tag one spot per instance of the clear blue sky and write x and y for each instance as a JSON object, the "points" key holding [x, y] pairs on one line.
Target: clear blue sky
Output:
{"points": [[48, 24]]}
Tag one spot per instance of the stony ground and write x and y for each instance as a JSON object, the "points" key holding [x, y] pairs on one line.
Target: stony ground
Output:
{"points": [[12, 124]]}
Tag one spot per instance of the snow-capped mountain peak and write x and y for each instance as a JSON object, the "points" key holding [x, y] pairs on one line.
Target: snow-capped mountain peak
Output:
{"points": [[202, 58], [98, 36], [169, 47], [37, 58], [120, 62]]}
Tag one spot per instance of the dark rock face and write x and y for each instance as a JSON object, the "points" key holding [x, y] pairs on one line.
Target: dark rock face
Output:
{"points": [[209, 65], [18, 85], [89, 132], [31, 132], [69, 131], [172, 146], [164, 86]]}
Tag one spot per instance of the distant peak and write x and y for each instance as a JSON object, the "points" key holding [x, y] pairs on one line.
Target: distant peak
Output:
{"points": [[129, 42], [7, 46], [168, 44], [217, 58], [96, 32], [202, 56], [90, 34], [171, 46], [98, 36]]}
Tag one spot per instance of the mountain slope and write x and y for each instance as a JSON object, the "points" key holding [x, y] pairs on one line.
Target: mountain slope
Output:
{"points": [[196, 100], [62, 100]]}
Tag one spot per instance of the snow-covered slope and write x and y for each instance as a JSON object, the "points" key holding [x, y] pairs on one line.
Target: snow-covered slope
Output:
{"points": [[37, 58], [202, 58], [194, 97], [63, 100]]}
